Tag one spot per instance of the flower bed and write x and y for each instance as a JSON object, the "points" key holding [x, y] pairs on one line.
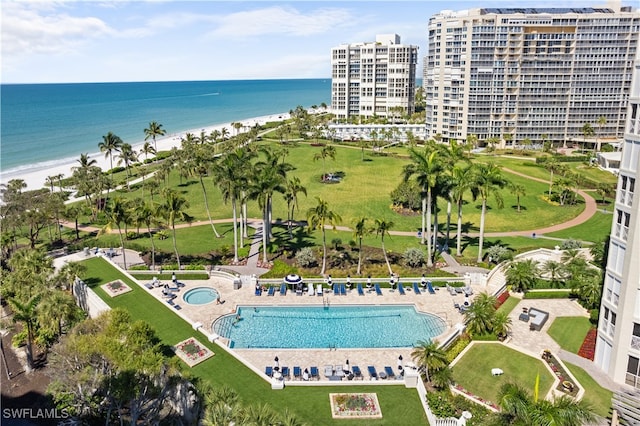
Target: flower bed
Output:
{"points": [[565, 383], [192, 352], [115, 288], [501, 299], [478, 400], [355, 405], [588, 348]]}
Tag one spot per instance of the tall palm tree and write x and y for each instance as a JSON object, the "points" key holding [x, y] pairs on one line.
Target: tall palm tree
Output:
{"points": [[56, 310], [359, 231], [426, 166], [127, 156], [429, 357], [172, 209], [85, 162], [327, 151], [554, 167], [201, 162], [488, 180], [381, 228], [26, 313], [518, 190], [110, 143], [461, 182], [602, 121], [291, 197], [155, 129], [272, 173], [317, 218], [145, 215], [117, 214]]}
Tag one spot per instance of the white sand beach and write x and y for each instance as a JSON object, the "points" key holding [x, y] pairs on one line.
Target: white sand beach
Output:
{"points": [[36, 177]]}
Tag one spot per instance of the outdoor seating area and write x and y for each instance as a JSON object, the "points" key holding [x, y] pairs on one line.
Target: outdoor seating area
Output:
{"points": [[538, 319], [336, 372]]}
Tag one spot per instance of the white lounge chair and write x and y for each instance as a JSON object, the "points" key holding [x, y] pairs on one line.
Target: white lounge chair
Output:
{"points": [[311, 291], [319, 289]]}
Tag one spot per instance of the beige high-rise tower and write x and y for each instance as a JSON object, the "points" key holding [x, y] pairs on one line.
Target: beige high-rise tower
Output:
{"points": [[519, 74], [373, 78]]}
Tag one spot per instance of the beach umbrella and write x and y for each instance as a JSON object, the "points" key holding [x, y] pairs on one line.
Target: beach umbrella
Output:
{"points": [[277, 361], [293, 279]]}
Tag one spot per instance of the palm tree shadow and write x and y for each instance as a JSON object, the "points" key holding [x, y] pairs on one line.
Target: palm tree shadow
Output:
{"points": [[515, 207]]}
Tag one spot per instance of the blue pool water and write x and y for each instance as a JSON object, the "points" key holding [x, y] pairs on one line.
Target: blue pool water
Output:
{"points": [[337, 326], [200, 296]]}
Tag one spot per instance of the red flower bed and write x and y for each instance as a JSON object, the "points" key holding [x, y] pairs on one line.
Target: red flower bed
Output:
{"points": [[501, 299], [588, 348]]}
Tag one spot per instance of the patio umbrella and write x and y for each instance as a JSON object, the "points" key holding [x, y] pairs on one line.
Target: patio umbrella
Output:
{"points": [[400, 361], [277, 362], [347, 368], [293, 279]]}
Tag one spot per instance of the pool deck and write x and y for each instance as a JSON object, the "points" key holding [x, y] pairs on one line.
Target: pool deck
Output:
{"points": [[441, 304]]}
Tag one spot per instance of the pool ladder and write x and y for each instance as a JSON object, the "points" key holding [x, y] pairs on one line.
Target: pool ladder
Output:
{"points": [[325, 301]]}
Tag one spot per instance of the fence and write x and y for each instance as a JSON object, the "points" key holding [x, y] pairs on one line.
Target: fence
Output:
{"points": [[88, 300]]}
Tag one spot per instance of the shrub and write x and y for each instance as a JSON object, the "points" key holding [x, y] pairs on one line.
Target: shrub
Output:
{"points": [[457, 347], [280, 269], [139, 268], [570, 244], [413, 257], [499, 253], [561, 294], [594, 315], [192, 267], [306, 257], [132, 235], [162, 235]]}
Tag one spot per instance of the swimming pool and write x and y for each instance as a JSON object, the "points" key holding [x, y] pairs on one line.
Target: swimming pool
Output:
{"points": [[200, 295], [355, 326]]}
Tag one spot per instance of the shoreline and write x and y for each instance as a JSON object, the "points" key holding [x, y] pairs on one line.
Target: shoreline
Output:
{"points": [[35, 176]]}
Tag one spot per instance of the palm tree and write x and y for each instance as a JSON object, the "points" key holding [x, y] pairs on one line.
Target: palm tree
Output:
{"points": [[26, 313], [429, 357], [110, 143], [291, 197], [587, 130], [201, 162], [382, 227], [554, 167], [227, 172], [116, 213], [55, 310], [327, 151], [501, 324], [85, 162], [426, 166], [461, 182], [487, 181], [555, 272], [154, 129], [172, 209], [520, 408], [127, 156], [359, 231], [518, 190], [317, 218], [145, 215], [602, 121], [480, 316], [522, 275]]}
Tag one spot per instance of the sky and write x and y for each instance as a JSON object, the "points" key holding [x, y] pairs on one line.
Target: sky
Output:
{"points": [[155, 40]]}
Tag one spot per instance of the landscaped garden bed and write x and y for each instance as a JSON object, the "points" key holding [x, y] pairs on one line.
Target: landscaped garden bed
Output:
{"points": [[115, 288], [566, 384], [192, 352], [355, 405]]}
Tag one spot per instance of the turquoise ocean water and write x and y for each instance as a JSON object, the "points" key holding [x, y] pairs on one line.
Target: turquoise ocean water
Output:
{"points": [[49, 124]]}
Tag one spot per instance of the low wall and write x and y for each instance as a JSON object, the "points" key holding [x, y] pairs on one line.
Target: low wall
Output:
{"points": [[88, 300]]}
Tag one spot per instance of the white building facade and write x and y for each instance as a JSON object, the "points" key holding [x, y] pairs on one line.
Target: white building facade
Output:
{"points": [[373, 78], [618, 341], [523, 73]]}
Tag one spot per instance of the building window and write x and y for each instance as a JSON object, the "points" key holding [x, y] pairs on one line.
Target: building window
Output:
{"points": [[633, 372], [635, 338]]}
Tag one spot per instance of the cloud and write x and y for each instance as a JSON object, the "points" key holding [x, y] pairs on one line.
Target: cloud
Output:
{"points": [[34, 27], [282, 20]]}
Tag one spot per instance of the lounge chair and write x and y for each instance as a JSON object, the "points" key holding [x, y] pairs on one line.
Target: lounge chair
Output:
{"points": [[269, 371], [338, 371], [149, 285], [430, 288], [467, 291], [258, 291], [416, 288], [314, 373], [177, 307], [401, 289], [299, 290], [378, 291], [319, 289], [356, 372], [451, 290], [336, 290], [311, 291], [360, 290], [272, 291], [173, 287], [389, 372], [328, 371], [170, 302], [373, 375], [343, 290], [283, 289], [286, 372], [297, 372]]}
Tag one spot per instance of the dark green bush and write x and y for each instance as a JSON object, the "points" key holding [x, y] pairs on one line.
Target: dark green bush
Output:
{"points": [[561, 294]]}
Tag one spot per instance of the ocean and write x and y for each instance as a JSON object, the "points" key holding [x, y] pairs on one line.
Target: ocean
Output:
{"points": [[43, 125]]}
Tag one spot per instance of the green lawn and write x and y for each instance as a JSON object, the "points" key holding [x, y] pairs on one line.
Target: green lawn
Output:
{"points": [[595, 395], [595, 229], [569, 332], [473, 370], [509, 304], [399, 405]]}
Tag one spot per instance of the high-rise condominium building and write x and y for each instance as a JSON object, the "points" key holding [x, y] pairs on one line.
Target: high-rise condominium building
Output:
{"points": [[618, 342], [522, 74], [373, 78]]}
